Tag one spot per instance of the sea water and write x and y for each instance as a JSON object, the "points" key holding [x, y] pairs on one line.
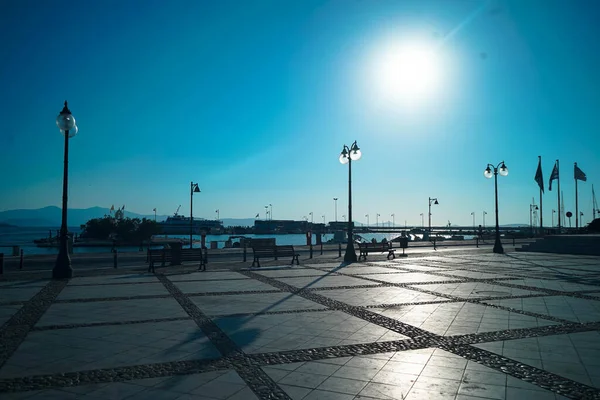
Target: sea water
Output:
{"points": [[24, 237]]}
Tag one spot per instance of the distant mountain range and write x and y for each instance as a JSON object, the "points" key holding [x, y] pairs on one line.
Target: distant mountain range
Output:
{"points": [[51, 217]]}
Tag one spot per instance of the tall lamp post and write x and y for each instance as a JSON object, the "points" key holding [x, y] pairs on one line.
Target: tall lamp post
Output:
{"points": [[271, 211], [323, 219], [393, 219], [473, 215], [312, 219], [484, 214], [553, 212], [335, 199], [377, 219], [422, 220], [348, 155], [532, 208], [193, 189], [490, 171], [431, 201], [62, 268], [367, 215]]}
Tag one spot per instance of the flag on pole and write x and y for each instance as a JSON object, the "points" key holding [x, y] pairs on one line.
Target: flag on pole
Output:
{"points": [[553, 175], [539, 178], [579, 174]]}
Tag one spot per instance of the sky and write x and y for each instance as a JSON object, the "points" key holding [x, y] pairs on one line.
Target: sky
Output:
{"points": [[254, 100]]}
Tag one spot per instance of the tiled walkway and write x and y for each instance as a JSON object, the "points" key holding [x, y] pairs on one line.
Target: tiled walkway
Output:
{"points": [[461, 326]]}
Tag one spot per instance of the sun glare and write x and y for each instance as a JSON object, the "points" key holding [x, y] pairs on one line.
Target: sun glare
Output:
{"points": [[409, 73]]}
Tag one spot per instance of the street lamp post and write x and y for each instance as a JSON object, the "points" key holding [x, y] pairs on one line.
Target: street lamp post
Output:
{"points": [[193, 189], [270, 211], [311, 217], [393, 219], [62, 268], [484, 214], [348, 155], [335, 199], [553, 212], [490, 171], [473, 214], [422, 221], [344, 217], [323, 219], [377, 219], [532, 208], [367, 215], [266, 213], [431, 201]]}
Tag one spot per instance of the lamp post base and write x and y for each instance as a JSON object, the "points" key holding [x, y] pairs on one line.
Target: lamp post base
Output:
{"points": [[62, 268], [498, 247], [350, 255]]}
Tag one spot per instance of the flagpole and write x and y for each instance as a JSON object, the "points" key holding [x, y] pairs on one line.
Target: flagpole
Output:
{"points": [[558, 192], [576, 202], [541, 209], [594, 206]]}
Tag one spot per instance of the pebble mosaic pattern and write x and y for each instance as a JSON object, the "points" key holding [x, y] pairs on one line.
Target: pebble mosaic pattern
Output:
{"points": [[461, 326]]}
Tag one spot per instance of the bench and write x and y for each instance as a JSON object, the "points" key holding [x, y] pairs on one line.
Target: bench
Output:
{"points": [[274, 252], [366, 248], [163, 255]]}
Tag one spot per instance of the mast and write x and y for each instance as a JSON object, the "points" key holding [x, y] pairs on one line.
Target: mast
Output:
{"points": [[594, 203], [541, 209], [558, 191], [576, 204]]}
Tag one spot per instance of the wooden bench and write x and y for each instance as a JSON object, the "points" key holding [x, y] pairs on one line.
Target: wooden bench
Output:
{"points": [[275, 252], [366, 248], [163, 255]]}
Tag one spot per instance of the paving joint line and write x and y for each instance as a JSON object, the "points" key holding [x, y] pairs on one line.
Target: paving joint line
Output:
{"points": [[112, 323], [257, 380], [539, 377], [14, 331]]}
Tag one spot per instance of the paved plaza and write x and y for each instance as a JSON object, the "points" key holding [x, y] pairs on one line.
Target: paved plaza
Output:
{"points": [[456, 325]]}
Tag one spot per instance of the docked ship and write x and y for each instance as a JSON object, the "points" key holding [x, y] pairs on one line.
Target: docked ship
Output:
{"points": [[180, 225]]}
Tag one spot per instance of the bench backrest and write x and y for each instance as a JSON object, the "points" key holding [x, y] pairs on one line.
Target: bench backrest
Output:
{"points": [[283, 251], [263, 250], [374, 246]]}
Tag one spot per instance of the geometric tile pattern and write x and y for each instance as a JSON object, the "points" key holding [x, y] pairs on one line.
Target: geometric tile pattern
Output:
{"points": [[459, 325]]}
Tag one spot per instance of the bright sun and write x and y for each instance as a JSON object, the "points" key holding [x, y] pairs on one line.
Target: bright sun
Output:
{"points": [[409, 73]]}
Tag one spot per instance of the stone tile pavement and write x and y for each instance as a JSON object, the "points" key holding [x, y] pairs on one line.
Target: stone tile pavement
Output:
{"points": [[461, 326]]}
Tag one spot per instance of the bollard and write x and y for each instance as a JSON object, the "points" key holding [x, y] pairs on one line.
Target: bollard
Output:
{"points": [[1, 263], [321, 248], [244, 251], [340, 249], [435, 248], [477, 242], [311, 251], [115, 259], [21, 260]]}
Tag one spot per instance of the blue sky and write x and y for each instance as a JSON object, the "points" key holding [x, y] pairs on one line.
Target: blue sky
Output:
{"points": [[254, 100]]}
